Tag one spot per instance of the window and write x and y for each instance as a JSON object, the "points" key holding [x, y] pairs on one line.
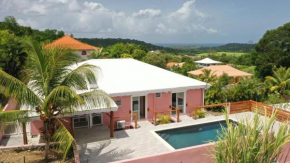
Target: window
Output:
{"points": [[97, 119], [158, 95], [81, 121], [119, 102], [84, 52], [10, 128]]}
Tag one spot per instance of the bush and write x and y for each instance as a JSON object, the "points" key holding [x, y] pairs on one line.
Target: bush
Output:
{"points": [[246, 143], [201, 113], [163, 119]]}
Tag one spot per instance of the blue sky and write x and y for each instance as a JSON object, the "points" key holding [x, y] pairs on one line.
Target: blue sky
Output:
{"points": [[154, 21]]}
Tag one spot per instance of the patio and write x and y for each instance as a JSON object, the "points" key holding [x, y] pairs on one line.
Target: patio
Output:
{"points": [[94, 144]]}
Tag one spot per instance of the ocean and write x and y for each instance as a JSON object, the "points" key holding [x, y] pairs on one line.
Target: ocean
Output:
{"points": [[189, 45]]}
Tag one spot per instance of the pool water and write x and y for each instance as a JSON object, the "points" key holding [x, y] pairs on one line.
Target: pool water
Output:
{"points": [[192, 135]]}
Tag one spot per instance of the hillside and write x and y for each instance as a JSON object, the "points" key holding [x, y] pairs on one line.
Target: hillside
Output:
{"points": [[231, 47], [105, 42]]}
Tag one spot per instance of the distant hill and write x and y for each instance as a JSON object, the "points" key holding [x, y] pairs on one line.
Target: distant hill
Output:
{"points": [[231, 47], [105, 42], [236, 47]]}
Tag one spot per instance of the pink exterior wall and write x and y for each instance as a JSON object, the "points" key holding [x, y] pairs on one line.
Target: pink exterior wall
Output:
{"points": [[194, 97], [11, 105], [185, 155], [192, 154], [35, 126], [68, 124], [284, 156], [122, 110], [158, 104]]}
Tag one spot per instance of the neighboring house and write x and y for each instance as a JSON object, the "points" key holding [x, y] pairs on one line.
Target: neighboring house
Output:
{"points": [[171, 64], [219, 70], [68, 42], [207, 62]]}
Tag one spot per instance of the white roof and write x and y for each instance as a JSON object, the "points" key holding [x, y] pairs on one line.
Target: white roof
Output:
{"points": [[207, 61], [121, 77]]}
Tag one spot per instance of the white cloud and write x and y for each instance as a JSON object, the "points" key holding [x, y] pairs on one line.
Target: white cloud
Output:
{"points": [[95, 19], [93, 5], [37, 8], [147, 13]]}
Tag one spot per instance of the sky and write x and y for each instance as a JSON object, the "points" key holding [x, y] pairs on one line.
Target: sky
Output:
{"points": [[153, 21]]}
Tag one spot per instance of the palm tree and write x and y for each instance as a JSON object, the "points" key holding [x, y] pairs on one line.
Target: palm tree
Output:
{"points": [[207, 76], [52, 90], [280, 81], [98, 54]]}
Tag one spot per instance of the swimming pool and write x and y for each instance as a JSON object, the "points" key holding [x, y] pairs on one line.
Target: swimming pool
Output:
{"points": [[192, 135]]}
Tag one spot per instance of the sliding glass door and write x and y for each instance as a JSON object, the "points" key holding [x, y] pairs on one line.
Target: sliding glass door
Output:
{"points": [[178, 101]]}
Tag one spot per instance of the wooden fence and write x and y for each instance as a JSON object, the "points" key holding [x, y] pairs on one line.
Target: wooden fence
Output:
{"points": [[249, 106], [177, 110]]}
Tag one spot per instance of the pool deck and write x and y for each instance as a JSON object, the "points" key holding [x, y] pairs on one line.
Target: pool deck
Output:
{"points": [[94, 144]]}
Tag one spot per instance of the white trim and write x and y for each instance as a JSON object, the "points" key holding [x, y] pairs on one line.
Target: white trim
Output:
{"points": [[203, 97], [175, 127], [184, 101], [145, 92]]}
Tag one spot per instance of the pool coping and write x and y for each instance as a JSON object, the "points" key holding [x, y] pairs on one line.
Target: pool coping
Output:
{"points": [[174, 127]]}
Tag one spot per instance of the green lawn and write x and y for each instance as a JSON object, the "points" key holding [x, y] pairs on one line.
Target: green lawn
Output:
{"points": [[237, 54]]}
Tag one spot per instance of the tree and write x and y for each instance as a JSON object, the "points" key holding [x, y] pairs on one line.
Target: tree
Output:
{"points": [[12, 57], [156, 60], [126, 56], [98, 54], [207, 76], [280, 81], [251, 141], [225, 79], [273, 50], [52, 90]]}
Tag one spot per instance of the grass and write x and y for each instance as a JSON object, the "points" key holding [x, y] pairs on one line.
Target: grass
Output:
{"points": [[248, 69], [237, 54]]}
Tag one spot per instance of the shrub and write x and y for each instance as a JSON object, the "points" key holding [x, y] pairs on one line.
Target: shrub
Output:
{"points": [[201, 113], [163, 119], [246, 142]]}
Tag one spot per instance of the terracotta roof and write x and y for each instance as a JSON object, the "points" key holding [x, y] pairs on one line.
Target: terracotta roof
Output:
{"points": [[219, 70], [170, 64], [69, 42]]}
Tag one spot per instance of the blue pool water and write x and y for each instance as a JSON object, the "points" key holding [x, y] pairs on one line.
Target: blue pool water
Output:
{"points": [[192, 135]]}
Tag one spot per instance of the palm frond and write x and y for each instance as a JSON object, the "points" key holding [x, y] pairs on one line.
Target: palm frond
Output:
{"points": [[64, 98], [78, 77], [14, 88], [96, 99], [64, 139], [13, 116]]}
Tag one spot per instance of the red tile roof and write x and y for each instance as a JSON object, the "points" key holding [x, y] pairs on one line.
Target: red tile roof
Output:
{"points": [[69, 42]]}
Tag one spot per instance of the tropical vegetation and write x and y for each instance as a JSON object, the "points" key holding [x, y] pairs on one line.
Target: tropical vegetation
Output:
{"points": [[251, 141], [52, 90], [163, 119]]}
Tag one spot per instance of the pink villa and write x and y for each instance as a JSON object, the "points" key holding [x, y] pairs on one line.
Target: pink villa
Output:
{"points": [[134, 86]]}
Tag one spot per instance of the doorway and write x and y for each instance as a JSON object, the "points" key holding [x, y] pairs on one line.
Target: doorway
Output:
{"points": [[178, 101], [139, 106]]}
